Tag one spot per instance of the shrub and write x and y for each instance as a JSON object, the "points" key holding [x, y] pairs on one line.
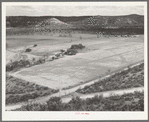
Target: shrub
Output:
{"points": [[52, 58], [35, 45], [62, 50], [76, 103], [18, 90], [133, 77], [54, 104], [17, 65], [71, 51], [28, 50], [80, 46], [134, 102]]}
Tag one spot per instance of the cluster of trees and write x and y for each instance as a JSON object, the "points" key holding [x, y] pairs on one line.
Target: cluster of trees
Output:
{"points": [[18, 90], [133, 77], [17, 65], [71, 52], [75, 46], [74, 49], [28, 50], [126, 102]]}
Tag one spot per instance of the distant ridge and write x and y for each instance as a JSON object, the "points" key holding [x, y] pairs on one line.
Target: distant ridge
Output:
{"points": [[77, 22]]}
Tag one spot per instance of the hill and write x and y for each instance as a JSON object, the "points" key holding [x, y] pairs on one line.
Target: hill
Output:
{"points": [[129, 21], [44, 24], [111, 22], [53, 24]]}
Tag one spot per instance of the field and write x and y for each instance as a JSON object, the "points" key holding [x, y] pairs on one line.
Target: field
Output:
{"points": [[101, 56]]}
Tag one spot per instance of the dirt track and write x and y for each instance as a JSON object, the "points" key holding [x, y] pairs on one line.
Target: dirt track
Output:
{"points": [[67, 98]]}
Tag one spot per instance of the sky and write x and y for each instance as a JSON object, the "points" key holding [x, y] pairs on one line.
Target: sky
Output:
{"points": [[42, 10]]}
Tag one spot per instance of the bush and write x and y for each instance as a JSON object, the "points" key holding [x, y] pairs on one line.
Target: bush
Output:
{"points": [[35, 45], [80, 46], [71, 52], [62, 50], [17, 65], [28, 50], [54, 104]]}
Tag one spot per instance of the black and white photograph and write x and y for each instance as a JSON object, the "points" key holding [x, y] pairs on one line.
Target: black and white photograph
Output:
{"points": [[74, 61]]}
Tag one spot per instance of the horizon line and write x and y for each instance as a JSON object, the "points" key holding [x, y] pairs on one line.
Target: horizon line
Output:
{"points": [[70, 16]]}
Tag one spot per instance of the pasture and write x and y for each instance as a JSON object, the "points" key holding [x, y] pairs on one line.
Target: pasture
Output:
{"points": [[101, 56]]}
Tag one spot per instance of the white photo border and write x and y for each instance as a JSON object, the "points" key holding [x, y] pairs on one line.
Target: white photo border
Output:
{"points": [[70, 115]]}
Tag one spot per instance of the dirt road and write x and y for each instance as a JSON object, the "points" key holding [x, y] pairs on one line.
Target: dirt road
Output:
{"points": [[67, 98]]}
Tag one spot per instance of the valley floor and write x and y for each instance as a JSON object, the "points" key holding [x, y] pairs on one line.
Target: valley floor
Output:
{"points": [[102, 55]]}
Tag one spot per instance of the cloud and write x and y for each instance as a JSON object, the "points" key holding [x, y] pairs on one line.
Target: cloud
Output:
{"points": [[72, 10]]}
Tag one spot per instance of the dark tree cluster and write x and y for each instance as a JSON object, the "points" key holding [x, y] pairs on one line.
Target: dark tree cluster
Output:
{"points": [[73, 50], [28, 50], [35, 45], [75, 46], [17, 65]]}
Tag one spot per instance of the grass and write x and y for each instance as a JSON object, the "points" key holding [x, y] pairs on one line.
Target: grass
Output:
{"points": [[126, 102], [133, 77], [18, 90]]}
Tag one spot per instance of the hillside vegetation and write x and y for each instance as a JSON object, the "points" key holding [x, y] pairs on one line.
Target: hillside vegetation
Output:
{"points": [[127, 102], [18, 90], [98, 21], [133, 77]]}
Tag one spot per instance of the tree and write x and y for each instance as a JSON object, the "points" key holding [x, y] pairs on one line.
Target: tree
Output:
{"points": [[71, 52], [35, 45], [76, 103], [28, 50], [54, 104]]}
